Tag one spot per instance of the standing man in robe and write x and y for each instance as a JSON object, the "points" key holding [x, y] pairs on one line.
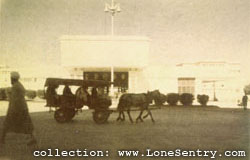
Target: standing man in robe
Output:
{"points": [[244, 101], [17, 119]]}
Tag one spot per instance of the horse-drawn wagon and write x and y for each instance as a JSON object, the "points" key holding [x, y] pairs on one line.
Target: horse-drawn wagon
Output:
{"points": [[68, 103]]}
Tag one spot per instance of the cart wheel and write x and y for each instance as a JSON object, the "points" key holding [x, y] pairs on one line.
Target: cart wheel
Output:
{"points": [[100, 117], [70, 113], [60, 116], [64, 115]]}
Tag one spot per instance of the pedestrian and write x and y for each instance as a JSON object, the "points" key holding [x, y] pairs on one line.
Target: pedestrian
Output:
{"points": [[244, 101], [17, 119]]}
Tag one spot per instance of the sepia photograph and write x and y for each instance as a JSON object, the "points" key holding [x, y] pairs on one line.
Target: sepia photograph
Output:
{"points": [[124, 79]]}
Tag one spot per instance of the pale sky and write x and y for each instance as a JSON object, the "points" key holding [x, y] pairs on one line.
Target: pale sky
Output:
{"points": [[180, 30]]}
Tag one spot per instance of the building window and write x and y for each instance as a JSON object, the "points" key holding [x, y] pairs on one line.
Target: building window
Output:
{"points": [[186, 85]]}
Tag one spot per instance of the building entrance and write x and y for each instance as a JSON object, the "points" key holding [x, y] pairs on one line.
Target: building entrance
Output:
{"points": [[120, 78]]}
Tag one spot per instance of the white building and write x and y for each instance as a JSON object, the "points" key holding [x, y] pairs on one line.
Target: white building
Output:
{"points": [[222, 81], [96, 57], [162, 77]]}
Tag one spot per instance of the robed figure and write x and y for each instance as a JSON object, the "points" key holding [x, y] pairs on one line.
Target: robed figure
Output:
{"points": [[17, 119]]}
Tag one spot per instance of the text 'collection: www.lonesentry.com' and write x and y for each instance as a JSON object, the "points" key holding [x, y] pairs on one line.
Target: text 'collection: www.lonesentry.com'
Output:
{"points": [[212, 154]]}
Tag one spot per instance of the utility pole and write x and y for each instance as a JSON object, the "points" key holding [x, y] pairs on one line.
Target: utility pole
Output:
{"points": [[112, 8]]}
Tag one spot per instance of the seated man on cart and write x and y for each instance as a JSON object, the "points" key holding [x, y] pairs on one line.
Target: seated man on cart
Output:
{"points": [[51, 96], [68, 97], [67, 90], [100, 99]]}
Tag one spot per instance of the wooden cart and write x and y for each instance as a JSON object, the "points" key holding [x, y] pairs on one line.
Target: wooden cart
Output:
{"points": [[69, 103]]}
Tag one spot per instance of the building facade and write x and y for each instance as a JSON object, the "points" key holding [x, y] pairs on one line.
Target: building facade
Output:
{"points": [[120, 59], [222, 81]]}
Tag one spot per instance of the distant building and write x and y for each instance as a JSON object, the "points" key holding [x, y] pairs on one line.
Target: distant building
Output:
{"points": [[31, 77], [222, 81], [162, 77], [4, 76]]}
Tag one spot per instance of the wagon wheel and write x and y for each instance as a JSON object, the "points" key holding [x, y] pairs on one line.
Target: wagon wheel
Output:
{"points": [[64, 115], [70, 113], [101, 117], [60, 115]]}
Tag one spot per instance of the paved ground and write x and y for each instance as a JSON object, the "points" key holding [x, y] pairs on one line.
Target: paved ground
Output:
{"points": [[186, 128], [34, 106]]}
